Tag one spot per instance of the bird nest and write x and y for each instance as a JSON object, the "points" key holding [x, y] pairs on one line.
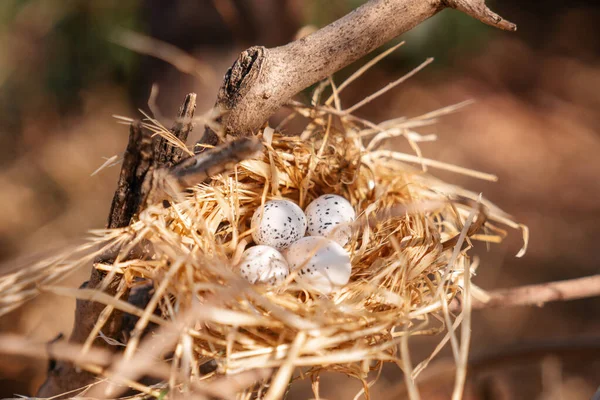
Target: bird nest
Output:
{"points": [[408, 252]]}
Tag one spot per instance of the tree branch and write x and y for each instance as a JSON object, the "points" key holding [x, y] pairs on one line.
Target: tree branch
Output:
{"points": [[478, 10], [144, 155], [538, 295], [137, 162], [261, 80]]}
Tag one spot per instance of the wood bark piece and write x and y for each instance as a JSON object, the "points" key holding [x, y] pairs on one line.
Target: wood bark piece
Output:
{"points": [[136, 164], [214, 161], [167, 155], [261, 80], [169, 183], [126, 201], [144, 154]]}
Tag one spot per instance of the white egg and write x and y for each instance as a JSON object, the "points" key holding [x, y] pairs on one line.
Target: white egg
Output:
{"points": [[279, 224], [329, 216], [263, 264], [321, 263]]}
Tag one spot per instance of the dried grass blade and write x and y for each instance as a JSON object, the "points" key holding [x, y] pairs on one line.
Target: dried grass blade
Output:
{"points": [[413, 392], [282, 378], [357, 74], [432, 163], [388, 87]]}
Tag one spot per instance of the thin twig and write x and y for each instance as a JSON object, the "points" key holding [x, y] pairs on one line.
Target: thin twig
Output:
{"points": [[540, 294], [171, 182], [388, 87], [196, 169], [164, 51]]}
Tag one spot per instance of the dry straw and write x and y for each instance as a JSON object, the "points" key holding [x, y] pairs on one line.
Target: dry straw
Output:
{"points": [[408, 251]]}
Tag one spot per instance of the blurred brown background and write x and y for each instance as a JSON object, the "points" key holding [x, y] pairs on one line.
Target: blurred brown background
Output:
{"points": [[535, 123]]}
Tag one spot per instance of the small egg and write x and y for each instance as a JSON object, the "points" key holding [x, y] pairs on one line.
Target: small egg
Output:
{"points": [[329, 216], [278, 224], [263, 264], [323, 264]]}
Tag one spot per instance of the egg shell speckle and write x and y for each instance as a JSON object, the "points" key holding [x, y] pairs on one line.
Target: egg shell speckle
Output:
{"points": [[328, 216], [279, 224], [263, 264], [323, 264]]}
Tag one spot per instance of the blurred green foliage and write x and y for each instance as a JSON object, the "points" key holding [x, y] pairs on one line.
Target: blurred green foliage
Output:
{"points": [[81, 53], [58, 48], [51, 52]]}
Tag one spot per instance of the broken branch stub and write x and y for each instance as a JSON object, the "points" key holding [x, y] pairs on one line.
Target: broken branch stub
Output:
{"points": [[167, 155], [137, 163], [261, 80]]}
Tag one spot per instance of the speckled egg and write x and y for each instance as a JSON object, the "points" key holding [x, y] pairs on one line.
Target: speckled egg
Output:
{"points": [[279, 224], [322, 264], [329, 216], [263, 264]]}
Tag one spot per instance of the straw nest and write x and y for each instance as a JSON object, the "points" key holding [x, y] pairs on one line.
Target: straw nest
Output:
{"points": [[408, 251]]}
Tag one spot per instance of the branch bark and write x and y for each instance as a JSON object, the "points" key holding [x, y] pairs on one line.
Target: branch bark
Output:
{"points": [[144, 155], [261, 80], [166, 155], [137, 162], [540, 294]]}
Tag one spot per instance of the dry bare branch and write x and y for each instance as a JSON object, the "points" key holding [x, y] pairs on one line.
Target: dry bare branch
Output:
{"points": [[261, 80], [540, 294], [171, 182], [136, 164], [143, 155], [196, 169]]}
